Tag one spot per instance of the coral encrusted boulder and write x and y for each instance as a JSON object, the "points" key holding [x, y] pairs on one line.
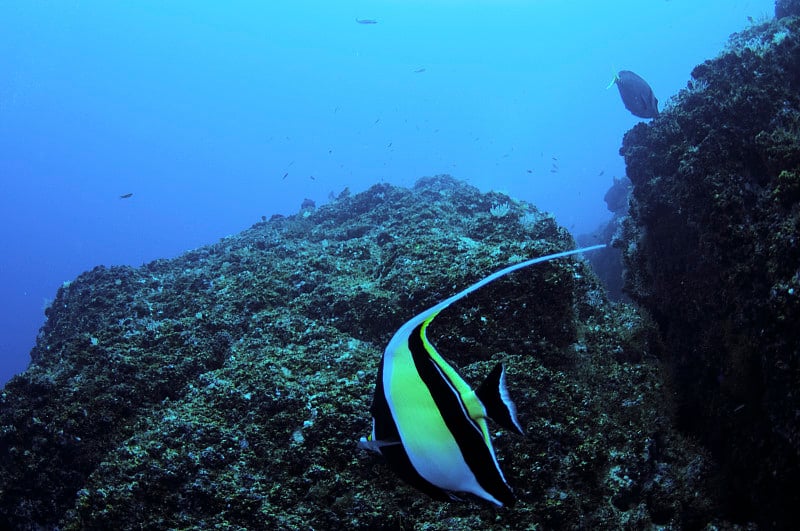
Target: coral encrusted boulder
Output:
{"points": [[712, 250], [227, 388]]}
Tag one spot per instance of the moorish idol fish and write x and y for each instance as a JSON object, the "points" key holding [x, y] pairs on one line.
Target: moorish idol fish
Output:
{"points": [[428, 423]]}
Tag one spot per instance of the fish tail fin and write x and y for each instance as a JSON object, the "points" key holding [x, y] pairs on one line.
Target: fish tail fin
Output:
{"points": [[495, 398]]}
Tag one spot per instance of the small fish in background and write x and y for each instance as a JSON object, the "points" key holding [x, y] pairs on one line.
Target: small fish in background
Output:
{"points": [[126, 196], [636, 94], [366, 21], [285, 175], [616, 197], [419, 70]]}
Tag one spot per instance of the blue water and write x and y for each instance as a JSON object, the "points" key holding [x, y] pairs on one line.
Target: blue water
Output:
{"points": [[199, 109]]}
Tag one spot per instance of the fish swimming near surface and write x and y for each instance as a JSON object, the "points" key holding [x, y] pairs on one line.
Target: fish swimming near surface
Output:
{"points": [[636, 94], [366, 21], [429, 424], [126, 196]]}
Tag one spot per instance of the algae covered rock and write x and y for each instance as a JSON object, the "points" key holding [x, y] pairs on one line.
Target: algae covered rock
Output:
{"points": [[227, 388], [787, 8], [712, 250]]}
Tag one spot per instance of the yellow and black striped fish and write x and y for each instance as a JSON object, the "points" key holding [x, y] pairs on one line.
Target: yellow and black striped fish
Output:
{"points": [[428, 422]]}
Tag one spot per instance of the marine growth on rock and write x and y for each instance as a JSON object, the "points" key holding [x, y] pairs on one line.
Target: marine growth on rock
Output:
{"points": [[711, 250], [228, 387]]}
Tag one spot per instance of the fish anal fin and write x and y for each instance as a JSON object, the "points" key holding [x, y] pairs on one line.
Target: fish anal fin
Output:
{"points": [[493, 393]]}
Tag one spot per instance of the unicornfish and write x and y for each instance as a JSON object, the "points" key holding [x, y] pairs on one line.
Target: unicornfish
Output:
{"points": [[429, 424], [636, 94]]}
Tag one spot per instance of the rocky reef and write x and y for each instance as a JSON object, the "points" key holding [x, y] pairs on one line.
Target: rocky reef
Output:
{"points": [[607, 262], [227, 388], [712, 250]]}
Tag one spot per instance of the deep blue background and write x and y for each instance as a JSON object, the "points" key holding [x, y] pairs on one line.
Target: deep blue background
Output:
{"points": [[199, 108]]}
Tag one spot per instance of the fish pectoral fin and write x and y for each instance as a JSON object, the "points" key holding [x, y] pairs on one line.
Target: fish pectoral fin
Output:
{"points": [[369, 444], [493, 393]]}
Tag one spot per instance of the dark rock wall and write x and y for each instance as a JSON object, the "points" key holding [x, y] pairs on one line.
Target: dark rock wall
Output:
{"points": [[227, 388], [712, 250], [786, 8]]}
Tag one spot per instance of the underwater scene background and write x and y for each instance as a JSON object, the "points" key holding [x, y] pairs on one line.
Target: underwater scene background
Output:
{"points": [[337, 169], [199, 109]]}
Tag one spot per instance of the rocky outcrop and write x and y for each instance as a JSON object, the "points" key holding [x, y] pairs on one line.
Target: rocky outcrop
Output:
{"points": [[228, 387], [712, 249]]}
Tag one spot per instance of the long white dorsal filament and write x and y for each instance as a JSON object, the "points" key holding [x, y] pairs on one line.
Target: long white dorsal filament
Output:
{"points": [[494, 276]]}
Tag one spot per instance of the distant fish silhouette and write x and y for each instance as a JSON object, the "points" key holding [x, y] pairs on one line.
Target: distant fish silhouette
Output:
{"points": [[636, 94], [126, 196], [419, 70], [366, 21], [616, 197]]}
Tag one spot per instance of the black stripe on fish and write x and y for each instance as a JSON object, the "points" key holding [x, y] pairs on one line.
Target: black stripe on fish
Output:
{"points": [[474, 449], [385, 431]]}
